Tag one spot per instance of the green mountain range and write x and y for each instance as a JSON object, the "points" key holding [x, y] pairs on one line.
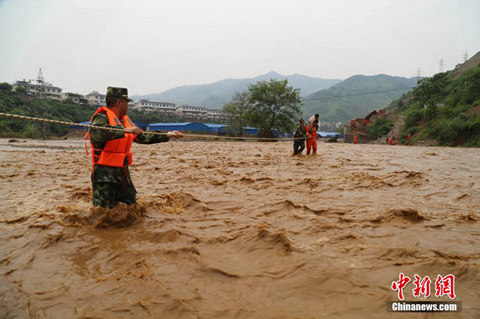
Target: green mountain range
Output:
{"points": [[333, 99], [215, 95], [356, 97]]}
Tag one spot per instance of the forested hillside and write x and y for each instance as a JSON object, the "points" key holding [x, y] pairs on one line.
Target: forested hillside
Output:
{"points": [[444, 109], [18, 102], [356, 97]]}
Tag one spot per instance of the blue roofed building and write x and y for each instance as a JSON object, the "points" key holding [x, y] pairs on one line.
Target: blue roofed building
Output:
{"points": [[185, 126], [216, 128], [189, 126], [250, 130]]}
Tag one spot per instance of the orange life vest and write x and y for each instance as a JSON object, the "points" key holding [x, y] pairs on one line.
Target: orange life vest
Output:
{"points": [[114, 151], [311, 132]]}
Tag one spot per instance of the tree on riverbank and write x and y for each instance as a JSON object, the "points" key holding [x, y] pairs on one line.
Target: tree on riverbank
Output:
{"points": [[270, 105]]}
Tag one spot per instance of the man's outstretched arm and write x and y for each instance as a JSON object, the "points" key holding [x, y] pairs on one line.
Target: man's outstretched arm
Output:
{"points": [[145, 138]]}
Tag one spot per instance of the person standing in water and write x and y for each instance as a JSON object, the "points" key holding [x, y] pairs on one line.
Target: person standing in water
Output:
{"points": [[299, 141], [111, 155], [311, 132]]}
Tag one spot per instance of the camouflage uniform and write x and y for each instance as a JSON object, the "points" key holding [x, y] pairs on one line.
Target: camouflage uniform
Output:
{"points": [[113, 184], [299, 145]]}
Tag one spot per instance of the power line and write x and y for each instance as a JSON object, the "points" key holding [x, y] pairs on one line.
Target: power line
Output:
{"points": [[357, 94]]}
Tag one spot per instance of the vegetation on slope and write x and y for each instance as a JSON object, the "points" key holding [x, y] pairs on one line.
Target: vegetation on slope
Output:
{"points": [[356, 97], [18, 102], [443, 108]]}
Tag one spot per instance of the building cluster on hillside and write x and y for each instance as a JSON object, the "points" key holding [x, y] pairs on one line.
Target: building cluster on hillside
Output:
{"points": [[44, 90], [359, 126]]}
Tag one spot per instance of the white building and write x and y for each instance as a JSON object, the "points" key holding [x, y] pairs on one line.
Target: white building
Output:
{"points": [[42, 90], [151, 106], [195, 113], [76, 98], [215, 114], [96, 99]]}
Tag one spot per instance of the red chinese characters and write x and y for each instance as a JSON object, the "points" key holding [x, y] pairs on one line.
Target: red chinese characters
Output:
{"points": [[422, 286], [400, 284], [445, 286]]}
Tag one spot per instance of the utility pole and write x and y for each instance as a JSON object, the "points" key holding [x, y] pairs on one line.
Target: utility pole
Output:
{"points": [[41, 94], [40, 79], [441, 66], [419, 74], [465, 56], [40, 83]]}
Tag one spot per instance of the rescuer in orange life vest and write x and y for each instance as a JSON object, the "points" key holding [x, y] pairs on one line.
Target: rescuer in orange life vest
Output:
{"points": [[311, 131], [111, 155]]}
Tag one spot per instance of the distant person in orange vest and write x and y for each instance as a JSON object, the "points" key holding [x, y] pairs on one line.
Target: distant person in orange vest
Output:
{"points": [[312, 137], [111, 155], [355, 140], [390, 141]]}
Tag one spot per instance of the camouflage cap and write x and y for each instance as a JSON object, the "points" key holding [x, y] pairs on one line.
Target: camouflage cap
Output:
{"points": [[118, 93]]}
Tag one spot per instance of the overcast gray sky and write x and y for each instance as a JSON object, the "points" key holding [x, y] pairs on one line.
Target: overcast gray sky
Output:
{"points": [[151, 46]]}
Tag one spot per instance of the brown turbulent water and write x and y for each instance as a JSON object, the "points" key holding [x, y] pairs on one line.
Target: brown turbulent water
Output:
{"points": [[237, 230]]}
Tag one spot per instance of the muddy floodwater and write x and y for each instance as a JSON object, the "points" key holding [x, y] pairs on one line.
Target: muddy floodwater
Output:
{"points": [[238, 230]]}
